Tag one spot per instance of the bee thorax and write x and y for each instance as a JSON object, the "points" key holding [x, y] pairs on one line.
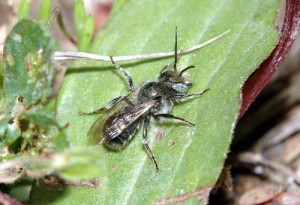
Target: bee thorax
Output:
{"points": [[164, 106]]}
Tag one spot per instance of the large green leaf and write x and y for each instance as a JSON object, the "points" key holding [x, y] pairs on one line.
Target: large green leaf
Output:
{"points": [[190, 158], [26, 60]]}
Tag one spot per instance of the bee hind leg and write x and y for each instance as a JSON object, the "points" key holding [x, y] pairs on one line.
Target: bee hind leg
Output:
{"points": [[145, 142]]}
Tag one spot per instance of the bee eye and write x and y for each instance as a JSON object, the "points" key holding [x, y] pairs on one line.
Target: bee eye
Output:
{"points": [[180, 87]]}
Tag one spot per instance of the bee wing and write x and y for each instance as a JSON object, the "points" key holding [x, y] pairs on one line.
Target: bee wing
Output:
{"points": [[125, 118], [96, 130]]}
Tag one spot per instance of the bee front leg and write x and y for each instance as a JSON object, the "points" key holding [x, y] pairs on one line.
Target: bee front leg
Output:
{"points": [[182, 98], [145, 142], [124, 73]]}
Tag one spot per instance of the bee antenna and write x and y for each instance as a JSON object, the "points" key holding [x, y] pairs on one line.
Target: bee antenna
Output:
{"points": [[186, 69], [175, 62]]}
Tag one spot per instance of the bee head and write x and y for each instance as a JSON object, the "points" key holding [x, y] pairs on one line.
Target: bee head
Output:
{"points": [[175, 80]]}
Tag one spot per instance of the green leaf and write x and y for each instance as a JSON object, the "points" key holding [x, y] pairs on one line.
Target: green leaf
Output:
{"points": [[55, 133], [84, 26], [190, 159], [26, 70], [79, 164], [12, 133], [45, 11], [28, 77], [1, 85], [70, 164], [21, 190], [3, 125], [24, 9]]}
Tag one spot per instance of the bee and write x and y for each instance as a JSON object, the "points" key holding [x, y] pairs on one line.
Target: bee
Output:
{"points": [[122, 116]]}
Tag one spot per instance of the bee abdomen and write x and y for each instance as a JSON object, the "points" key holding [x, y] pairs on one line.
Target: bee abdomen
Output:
{"points": [[123, 139]]}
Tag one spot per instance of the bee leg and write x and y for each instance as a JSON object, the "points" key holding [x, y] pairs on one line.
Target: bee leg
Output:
{"points": [[124, 73], [145, 142], [182, 98], [169, 116], [108, 106]]}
